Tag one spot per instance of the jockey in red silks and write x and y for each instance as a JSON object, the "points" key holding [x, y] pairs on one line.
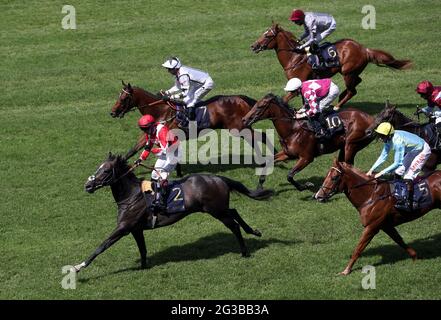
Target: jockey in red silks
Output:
{"points": [[317, 97], [168, 153], [432, 95]]}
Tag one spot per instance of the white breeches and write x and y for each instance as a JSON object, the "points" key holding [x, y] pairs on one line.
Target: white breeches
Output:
{"points": [[166, 163], [195, 94], [326, 101], [413, 163]]}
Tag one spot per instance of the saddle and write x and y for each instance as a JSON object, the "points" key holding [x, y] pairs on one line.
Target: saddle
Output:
{"points": [[422, 198], [330, 121]]}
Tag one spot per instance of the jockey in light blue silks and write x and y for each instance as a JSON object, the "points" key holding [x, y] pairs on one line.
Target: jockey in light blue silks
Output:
{"points": [[411, 153]]}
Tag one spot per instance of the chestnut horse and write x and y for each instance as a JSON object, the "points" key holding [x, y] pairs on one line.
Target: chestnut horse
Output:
{"points": [[401, 122], [226, 112], [353, 59], [299, 142], [375, 204]]}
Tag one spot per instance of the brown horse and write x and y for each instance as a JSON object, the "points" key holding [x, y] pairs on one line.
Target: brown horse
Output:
{"points": [[299, 142], [375, 203], [353, 59], [225, 112], [401, 122]]}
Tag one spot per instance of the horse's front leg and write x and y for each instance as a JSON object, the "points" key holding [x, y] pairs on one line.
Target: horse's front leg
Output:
{"points": [[368, 233], [140, 241], [138, 146], [299, 166], [117, 234], [280, 156]]}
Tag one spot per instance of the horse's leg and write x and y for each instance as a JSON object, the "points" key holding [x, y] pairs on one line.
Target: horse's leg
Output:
{"points": [[140, 241], [280, 156], [243, 224], [138, 146], [235, 228], [368, 233], [393, 233], [299, 166], [117, 234], [351, 81]]}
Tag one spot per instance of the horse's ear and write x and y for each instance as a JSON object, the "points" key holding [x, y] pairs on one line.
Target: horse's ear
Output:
{"points": [[387, 103], [129, 86], [123, 83]]}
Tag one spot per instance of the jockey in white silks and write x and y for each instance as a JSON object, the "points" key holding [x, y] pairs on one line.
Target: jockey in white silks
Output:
{"points": [[191, 84]]}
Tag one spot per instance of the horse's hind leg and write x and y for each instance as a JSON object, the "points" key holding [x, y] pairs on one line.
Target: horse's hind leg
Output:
{"points": [[299, 166], [351, 81], [140, 241], [235, 228], [393, 233], [243, 224]]}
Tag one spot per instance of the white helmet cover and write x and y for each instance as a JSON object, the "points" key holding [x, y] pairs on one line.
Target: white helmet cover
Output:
{"points": [[172, 63], [293, 84]]}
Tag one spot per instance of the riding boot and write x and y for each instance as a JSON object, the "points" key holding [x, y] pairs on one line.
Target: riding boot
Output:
{"points": [[316, 126], [323, 125], [158, 203], [438, 136], [409, 202], [191, 113]]}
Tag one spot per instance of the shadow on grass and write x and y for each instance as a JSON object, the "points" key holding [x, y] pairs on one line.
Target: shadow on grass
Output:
{"points": [[427, 248], [208, 247]]}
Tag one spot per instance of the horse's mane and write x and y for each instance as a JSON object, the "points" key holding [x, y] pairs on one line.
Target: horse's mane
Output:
{"points": [[121, 164], [279, 101], [406, 118], [153, 95], [289, 33]]}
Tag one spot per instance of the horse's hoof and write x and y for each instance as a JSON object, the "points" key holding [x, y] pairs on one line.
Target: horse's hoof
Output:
{"points": [[309, 185], [246, 254], [257, 233]]}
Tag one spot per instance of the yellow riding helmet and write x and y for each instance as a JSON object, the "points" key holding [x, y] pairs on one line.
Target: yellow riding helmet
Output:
{"points": [[385, 128]]}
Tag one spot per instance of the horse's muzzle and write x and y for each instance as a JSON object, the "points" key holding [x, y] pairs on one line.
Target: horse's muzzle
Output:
{"points": [[256, 48], [89, 187]]}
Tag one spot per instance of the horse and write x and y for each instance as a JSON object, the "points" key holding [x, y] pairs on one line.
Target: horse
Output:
{"points": [[298, 140], [353, 56], [225, 112], [375, 204], [401, 122], [202, 193]]}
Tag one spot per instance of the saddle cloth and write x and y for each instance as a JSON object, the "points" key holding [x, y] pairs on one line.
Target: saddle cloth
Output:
{"points": [[329, 54], [202, 116], [174, 194], [422, 198]]}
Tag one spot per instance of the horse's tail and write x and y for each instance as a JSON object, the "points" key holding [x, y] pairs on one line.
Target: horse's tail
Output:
{"points": [[239, 187], [383, 58]]}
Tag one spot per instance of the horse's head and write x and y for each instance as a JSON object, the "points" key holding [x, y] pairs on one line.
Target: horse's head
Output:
{"points": [[267, 40], [332, 183], [107, 173], [260, 110], [386, 115], [124, 103]]}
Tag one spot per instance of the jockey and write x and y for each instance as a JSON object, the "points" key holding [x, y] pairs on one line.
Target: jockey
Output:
{"points": [[433, 97], [168, 153], [411, 153], [317, 97], [191, 84], [317, 27]]}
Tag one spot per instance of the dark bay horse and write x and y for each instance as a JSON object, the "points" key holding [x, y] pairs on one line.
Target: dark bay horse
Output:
{"points": [[299, 142], [202, 193], [226, 112], [375, 204], [401, 122], [353, 59]]}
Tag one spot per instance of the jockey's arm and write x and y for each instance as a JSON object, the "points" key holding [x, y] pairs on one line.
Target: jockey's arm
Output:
{"points": [[311, 26], [398, 160], [184, 87], [382, 158], [148, 146], [164, 140]]}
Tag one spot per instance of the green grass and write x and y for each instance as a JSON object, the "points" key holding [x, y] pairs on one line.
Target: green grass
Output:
{"points": [[57, 88]]}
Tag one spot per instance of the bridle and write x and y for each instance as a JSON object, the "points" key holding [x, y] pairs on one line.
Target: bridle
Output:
{"points": [[336, 181]]}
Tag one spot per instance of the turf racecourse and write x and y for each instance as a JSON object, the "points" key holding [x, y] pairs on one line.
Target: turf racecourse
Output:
{"points": [[57, 87]]}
